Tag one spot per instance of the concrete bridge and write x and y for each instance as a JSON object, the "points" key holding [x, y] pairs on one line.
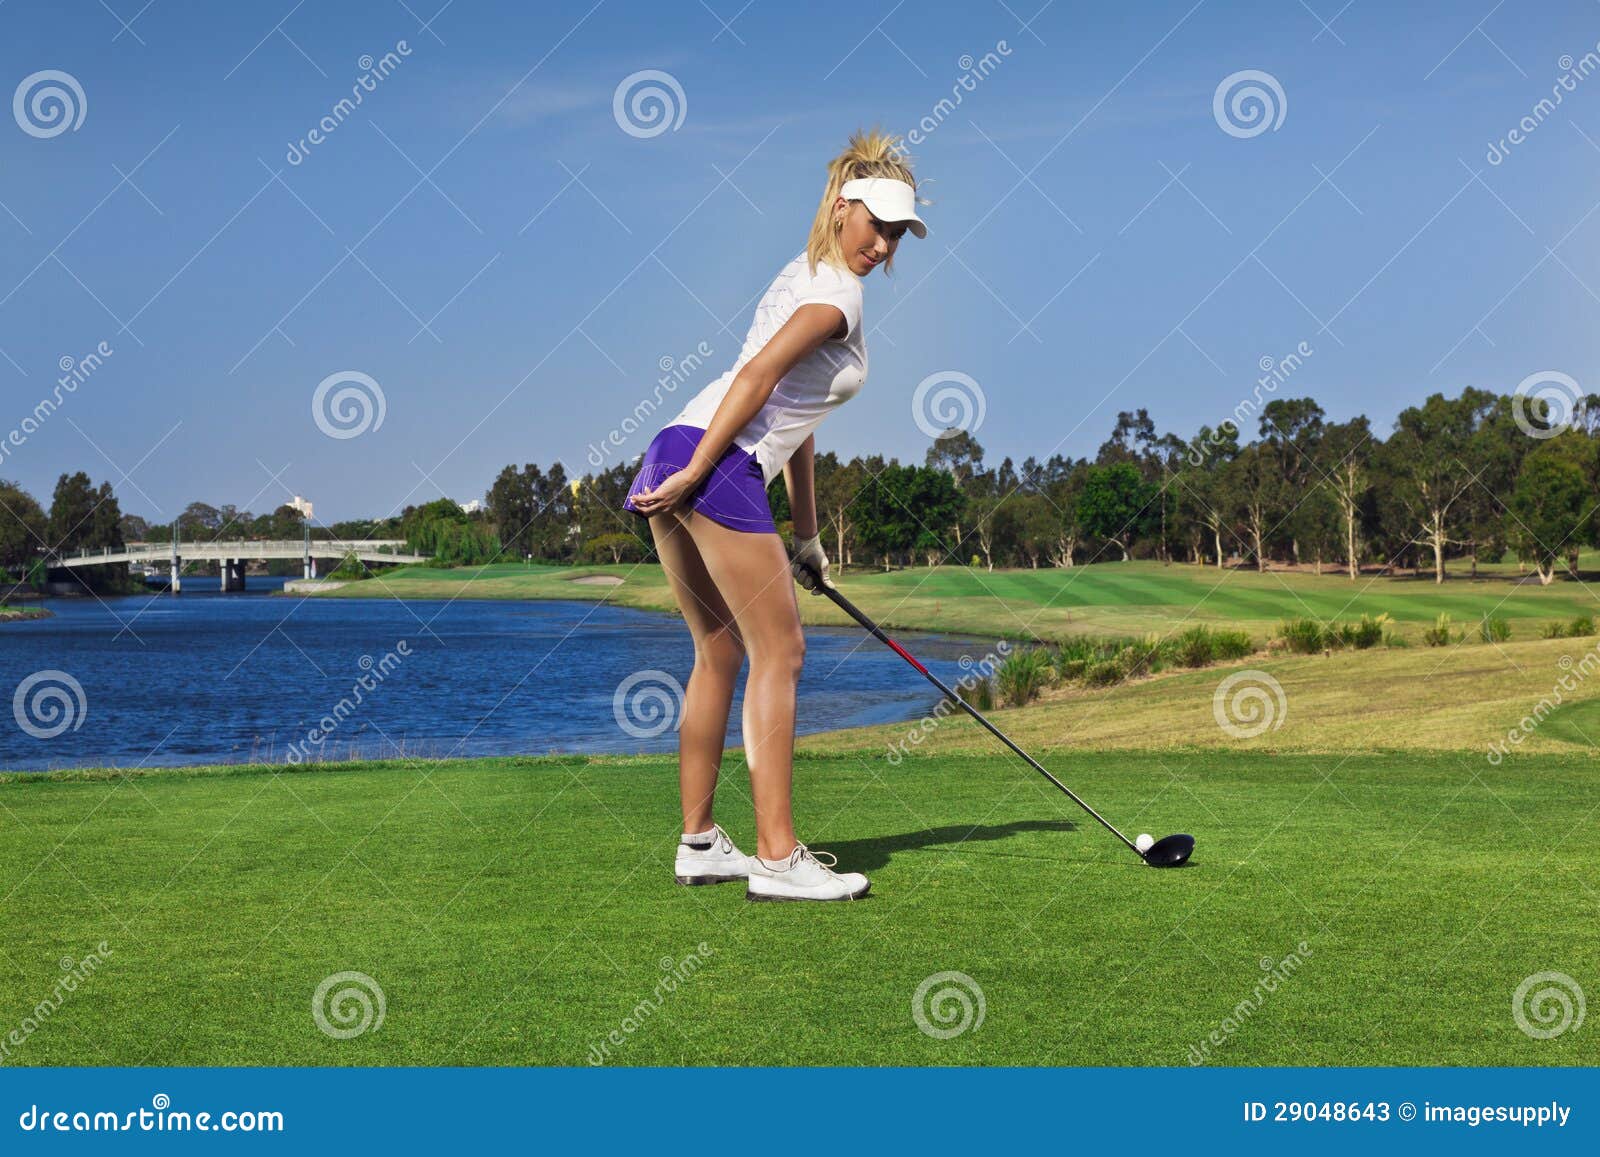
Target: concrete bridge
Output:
{"points": [[232, 554]]}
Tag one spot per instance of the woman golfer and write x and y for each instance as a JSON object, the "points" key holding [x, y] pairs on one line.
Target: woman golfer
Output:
{"points": [[702, 486]]}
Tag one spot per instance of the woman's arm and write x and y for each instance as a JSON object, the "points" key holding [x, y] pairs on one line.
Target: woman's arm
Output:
{"points": [[807, 328], [799, 476]]}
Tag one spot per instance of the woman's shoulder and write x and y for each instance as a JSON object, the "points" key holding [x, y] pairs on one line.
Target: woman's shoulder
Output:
{"points": [[826, 277]]}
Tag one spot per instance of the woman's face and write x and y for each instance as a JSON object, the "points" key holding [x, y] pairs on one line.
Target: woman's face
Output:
{"points": [[866, 241]]}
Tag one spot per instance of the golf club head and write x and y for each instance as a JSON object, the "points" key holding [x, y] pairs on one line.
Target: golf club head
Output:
{"points": [[1170, 851]]}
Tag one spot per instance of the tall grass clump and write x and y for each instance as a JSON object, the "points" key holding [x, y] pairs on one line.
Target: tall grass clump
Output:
{"points": [[1441, 634], [1023, 674], [1100, 662], [976, 691], [1366, 632], [1303, 636], [1232, 644], [1308, 636], [1196, 647], [1494, 630]]}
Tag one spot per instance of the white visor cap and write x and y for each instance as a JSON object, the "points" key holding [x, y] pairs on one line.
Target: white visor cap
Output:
{"points": [[888, 199]]}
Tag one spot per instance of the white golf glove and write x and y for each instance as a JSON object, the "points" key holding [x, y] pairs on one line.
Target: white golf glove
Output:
{"points": [[808, 553]]}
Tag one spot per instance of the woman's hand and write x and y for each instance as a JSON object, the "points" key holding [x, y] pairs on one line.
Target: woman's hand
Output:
{"points": [[670, 494], [810, 561]]}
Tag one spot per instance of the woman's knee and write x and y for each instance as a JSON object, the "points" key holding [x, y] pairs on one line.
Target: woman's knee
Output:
{"points": [[721, 651], [784, 653]]}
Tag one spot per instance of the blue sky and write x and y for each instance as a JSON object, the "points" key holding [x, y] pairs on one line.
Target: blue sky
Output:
{"points": [[1084, 187]]}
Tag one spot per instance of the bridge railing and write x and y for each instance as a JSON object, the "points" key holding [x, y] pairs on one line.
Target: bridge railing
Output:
{"points": [[239, 548]]}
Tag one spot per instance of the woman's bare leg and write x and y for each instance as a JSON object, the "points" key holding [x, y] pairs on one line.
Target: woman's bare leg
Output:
{"points": [[718, 655], [752, 573]]}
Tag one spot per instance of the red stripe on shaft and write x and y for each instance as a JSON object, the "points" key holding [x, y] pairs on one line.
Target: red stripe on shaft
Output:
{"points": [[905, 654]]}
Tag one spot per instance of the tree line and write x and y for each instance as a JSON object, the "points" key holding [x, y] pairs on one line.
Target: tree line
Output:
{"points": [[1477, 477]]}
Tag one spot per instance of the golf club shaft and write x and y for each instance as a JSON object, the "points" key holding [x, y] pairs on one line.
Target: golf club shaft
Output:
{"points": [[850, 609]]}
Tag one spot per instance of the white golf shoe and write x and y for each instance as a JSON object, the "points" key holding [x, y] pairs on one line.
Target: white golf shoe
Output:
{"points": [[715, 863], [803, 877]]}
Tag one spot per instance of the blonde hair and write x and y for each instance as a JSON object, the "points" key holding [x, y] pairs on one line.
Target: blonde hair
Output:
{"points": [[869, 154]]}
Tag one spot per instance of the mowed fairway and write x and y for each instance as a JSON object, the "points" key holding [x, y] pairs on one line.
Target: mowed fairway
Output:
{"points": [[1110, 598], [519, 911]]}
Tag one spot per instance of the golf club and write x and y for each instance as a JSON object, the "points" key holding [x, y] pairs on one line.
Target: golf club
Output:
{"points": [[1167, 852]]}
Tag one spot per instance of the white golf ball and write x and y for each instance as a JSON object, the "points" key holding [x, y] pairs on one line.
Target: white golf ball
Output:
{"points": [[1145, 842]]}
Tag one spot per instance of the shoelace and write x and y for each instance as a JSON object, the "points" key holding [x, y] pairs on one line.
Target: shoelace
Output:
{"points": [[801, 851]]}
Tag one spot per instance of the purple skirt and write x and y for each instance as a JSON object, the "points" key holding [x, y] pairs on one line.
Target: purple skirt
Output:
{"points": [[734, 494]]}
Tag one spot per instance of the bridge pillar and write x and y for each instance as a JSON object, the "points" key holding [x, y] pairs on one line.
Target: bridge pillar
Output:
{"points": [[233, 574], [176, 585]]}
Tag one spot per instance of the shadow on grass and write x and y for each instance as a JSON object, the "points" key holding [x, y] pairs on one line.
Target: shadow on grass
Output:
{"points": [[871, 854]]}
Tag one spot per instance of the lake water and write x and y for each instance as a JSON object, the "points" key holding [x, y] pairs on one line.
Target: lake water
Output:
{"points": [[206, 677]]}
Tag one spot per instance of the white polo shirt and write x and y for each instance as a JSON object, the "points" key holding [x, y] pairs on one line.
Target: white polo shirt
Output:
{"points": [[827, 377]]}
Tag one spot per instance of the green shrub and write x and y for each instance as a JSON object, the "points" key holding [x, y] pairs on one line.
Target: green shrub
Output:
{"points": [[1553, 631], [1440, 634], [1074, 657], [1368, 631], [1099, 662], [1196, 647], [1103, 673], [1145, 656], [1308, 636], [350, 567], [1303, 636], [1023, 675], [1071, 670], [1231, 644], [1580, 626], [976, 691], [1494, 630]]}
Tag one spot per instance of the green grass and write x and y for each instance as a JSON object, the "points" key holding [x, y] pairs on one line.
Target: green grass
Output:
{"points": [[516, 911], [1107, 598], [1463, 697]]}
